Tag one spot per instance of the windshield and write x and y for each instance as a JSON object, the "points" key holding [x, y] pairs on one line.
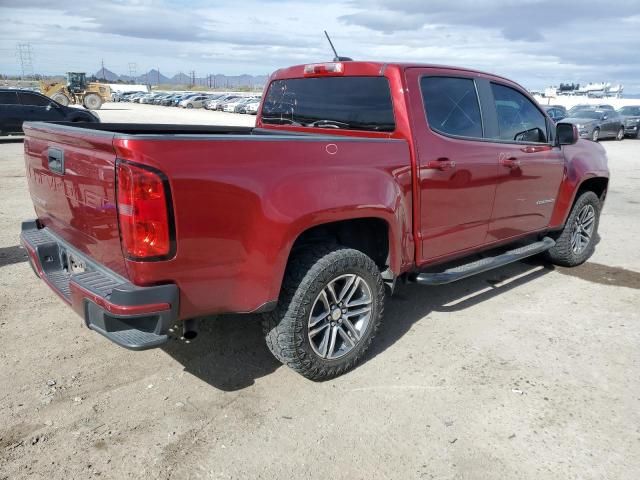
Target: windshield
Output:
{"points": [[356, 103], [588, 114], [630, 111]]}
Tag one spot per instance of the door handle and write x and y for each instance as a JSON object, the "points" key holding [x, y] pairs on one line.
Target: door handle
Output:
{"points": [[441, 164], [55, 160], [511, 162]]}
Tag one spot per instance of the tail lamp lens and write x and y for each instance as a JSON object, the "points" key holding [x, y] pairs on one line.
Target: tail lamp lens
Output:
{"points": [[143, 212]]}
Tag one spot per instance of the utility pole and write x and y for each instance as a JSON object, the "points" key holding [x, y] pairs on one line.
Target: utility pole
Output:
{"points": [[193, 77], [23, 53], [158, 70], [103, 70]]}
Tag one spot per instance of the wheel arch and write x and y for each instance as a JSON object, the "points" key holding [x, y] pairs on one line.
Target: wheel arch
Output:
{"points": [[374, 234]]}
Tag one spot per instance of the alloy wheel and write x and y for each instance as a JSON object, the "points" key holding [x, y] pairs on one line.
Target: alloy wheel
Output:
{"points": [[340, 316], [583, 227]]}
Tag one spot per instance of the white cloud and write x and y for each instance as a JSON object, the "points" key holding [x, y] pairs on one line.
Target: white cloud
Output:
{"points": [[535, 42]]}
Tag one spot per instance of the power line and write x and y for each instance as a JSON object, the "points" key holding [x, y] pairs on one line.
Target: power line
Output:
{"points": [[23, 53]]}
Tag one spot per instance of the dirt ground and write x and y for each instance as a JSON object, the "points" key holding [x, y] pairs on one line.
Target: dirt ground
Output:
{"points": [[527, 372]]}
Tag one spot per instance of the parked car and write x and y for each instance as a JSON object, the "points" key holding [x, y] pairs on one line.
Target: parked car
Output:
{"points": [[150, 98], [194, 102], [556, 112], [242, 105], [212, 98], [157, 100], [18, 106], [252, 107], [631, 118], [168, 100], [603, 106], [233, 99], [217, 104], [230, 105], [126, 96], [598, 124], [306, 227]]}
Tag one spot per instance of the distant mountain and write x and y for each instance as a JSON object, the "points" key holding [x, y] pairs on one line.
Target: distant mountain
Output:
{"points": [[181, 79], [153, 77], [107, 75]]}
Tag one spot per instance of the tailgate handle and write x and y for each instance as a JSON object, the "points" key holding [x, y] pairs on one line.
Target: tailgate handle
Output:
{"points": [[55, 157]]}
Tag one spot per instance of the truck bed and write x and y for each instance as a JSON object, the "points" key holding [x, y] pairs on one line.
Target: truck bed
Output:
{"points": [[239, 199]]}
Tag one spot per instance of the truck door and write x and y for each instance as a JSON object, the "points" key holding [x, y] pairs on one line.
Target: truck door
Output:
{"points": [[456, 168], [530, 167]]}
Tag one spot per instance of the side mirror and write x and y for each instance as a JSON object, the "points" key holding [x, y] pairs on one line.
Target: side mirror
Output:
{"points": [[566, 134], [604, 117]]}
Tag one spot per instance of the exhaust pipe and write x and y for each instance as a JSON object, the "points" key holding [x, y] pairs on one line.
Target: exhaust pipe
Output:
{"points": [[189, 329]]}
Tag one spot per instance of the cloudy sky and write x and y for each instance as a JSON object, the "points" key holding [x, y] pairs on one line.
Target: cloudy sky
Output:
{"points": [[535, 42]]}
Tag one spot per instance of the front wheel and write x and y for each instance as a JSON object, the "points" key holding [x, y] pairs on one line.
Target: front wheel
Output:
{"points": [[595, 136], [92, 101], [189, 105], [576, 241], [620, 134], [330, 308], [61, 98]]}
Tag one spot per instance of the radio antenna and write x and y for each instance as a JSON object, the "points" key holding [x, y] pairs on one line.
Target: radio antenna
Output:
{"points": [[336, 58]]}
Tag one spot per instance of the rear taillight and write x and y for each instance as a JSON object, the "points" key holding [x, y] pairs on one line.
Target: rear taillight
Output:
{"points": [[146, 230]]}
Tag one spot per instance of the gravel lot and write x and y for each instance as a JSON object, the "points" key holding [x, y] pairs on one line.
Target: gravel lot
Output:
{"points": [[527, 372]]}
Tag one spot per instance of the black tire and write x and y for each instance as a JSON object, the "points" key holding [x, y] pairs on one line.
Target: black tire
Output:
{"points": [[286, 329], [61, 98], [595, 135], [562, 253], [620, 134]]}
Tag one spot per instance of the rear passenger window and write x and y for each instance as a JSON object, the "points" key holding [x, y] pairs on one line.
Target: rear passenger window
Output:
{"points": [[34, 99], [8, 98], [518, 118], [452, 106]]}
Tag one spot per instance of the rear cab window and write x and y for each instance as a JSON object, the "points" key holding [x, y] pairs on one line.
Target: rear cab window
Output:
{"points": [[452, 106], [352, 103]]}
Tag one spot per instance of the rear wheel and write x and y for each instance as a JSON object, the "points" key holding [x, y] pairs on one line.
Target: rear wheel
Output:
{"points": [[61, 98], [330, 307], [595, 136], [620, 134], [576, 242], [92, 101]]}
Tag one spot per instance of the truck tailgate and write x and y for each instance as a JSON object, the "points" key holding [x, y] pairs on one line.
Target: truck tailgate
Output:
{"points": [[71, 176]]}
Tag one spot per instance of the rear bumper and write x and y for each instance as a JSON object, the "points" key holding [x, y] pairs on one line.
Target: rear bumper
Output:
{"points": [[133, 317]]}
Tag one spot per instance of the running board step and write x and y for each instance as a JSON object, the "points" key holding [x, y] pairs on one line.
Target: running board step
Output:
{"points": [[484, 264]]}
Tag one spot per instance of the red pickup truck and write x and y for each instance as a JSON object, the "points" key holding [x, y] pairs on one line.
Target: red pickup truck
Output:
{"points": [[356, 176]]}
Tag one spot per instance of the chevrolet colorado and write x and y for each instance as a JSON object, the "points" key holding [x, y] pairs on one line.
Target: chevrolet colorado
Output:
{"points": [[357, 175]]}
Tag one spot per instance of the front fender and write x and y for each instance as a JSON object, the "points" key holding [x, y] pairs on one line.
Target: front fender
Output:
{"points": [[584, 160]]}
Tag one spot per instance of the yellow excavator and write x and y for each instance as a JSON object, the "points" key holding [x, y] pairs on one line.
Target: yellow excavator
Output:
{"points": [[92, 95]]}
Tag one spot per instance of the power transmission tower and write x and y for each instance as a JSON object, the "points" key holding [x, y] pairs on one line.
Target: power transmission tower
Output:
{"points": [[193, 77], [132, 70], [102, 63], [24, 56]]}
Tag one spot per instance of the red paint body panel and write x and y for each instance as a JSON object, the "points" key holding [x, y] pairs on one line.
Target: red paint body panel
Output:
{"points": [[240, 201], [80, 205]]}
